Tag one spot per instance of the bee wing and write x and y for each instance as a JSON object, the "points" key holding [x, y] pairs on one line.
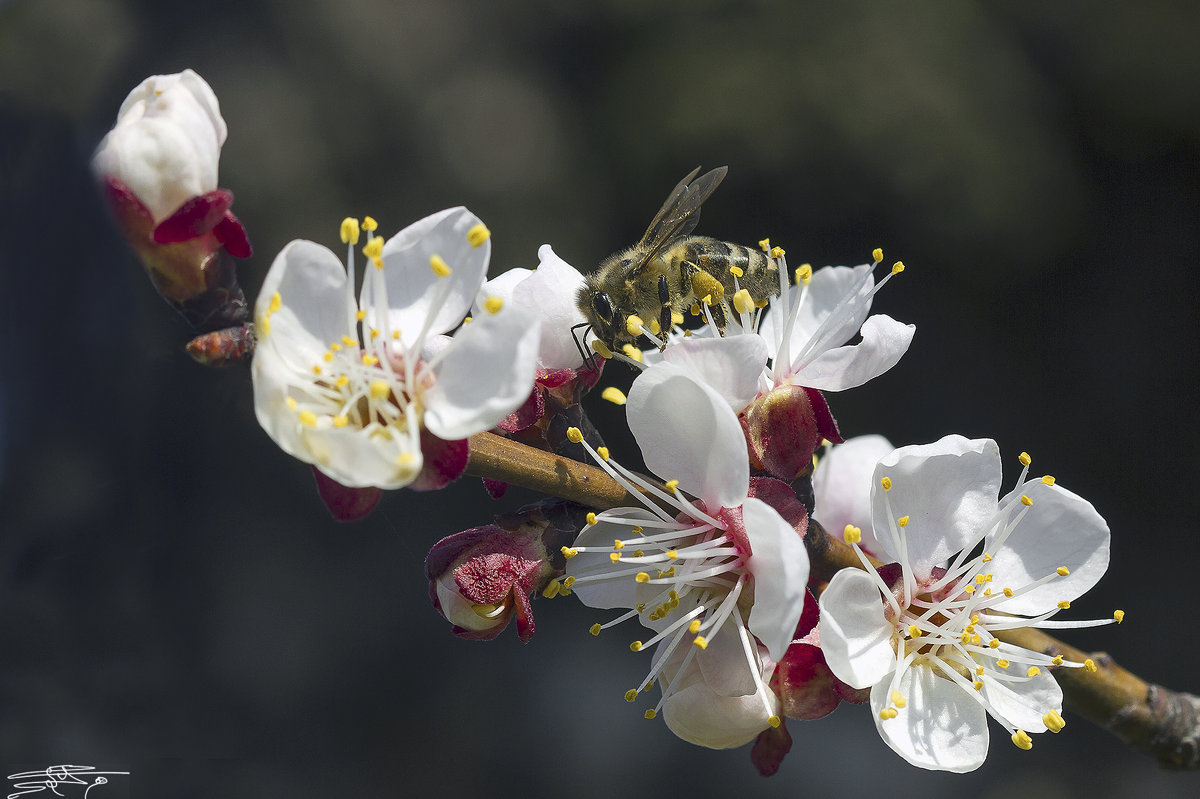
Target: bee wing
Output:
{"points": [[681, 211]]}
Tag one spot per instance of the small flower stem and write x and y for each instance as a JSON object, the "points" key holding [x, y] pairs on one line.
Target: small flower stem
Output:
{"points": [[1162, 723]]}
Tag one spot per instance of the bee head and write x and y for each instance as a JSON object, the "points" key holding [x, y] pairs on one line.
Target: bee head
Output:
{"points": [[602, 305]]}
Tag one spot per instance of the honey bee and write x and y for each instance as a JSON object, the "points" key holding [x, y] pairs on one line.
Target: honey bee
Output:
{"points": [[669, 271]]}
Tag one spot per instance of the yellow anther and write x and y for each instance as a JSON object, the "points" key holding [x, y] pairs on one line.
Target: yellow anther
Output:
{"points": [[655, 328], [1002, 663], [977, 685], [602, 452], [886, 483], [574, 435], [1026, 501], [902, 521], [673, 554], [803, 274], [743, 302], [328, 357], [615, 557], [700, 641], [980, 579], [706, 299], [777, 252], [291, 403], [341, 420], [601, 349], [632, 353], [877, 255], [672, 485], [369, 224], [1089, 665], [1063, 605], [852, 534], [478, 234], [349, 230], [380, 390], [642, 577], [568, 582], [308, 418], [914, 631], [633, 325], [650, 714], [736, 271], [618, 544], [396, 333], [1022, 740], [888, 713], [631, 694], [897, 267], [1048, 480], [316, 369], [694, 627], [1057, 660], [979, 671], [636, 646], [369, 360], [493, 304], [595, 629], [1053, 721], [1024, 459], [374, 248], [1119, 616], [361, 315], [374, 334], [1032, 671], [614, 395], [551, 590], [637, 553], [975, 616], [970, 589], [673, 595], [342, 381], [898, 699], [591, 518], [1008, 592], [676, 318], [638, 529], [764, 244], [275, 304], [774, 721], [1062, 571], [439, 266], [994, 643], [987, 558], [335, 347]]}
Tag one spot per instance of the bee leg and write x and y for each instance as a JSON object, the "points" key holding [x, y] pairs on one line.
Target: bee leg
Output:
{"points": [[717, 309], [664, 311]]}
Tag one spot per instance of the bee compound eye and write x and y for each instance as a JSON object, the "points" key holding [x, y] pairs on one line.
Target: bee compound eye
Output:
{"points": [[603, 306]]}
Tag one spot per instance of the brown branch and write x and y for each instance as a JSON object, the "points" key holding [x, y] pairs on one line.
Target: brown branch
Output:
{"points": [[1162, 723]]}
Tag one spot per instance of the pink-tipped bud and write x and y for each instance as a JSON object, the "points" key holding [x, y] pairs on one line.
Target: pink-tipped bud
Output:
{"points": [[785, 427]]}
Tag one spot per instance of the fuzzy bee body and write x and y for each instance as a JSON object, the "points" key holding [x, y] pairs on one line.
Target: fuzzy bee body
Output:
{"points": [[670, 270]]}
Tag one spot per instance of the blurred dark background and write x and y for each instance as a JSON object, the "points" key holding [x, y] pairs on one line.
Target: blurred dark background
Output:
{"points": [[174, 600]]}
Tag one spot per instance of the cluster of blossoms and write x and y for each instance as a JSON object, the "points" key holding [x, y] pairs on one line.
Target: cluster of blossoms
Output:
{"points": [[382, 385]]}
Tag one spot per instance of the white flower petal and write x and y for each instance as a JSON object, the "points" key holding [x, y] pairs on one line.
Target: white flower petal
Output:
{"points": [[687, 432], [779, 565], [948, 490], [702, 716], [502, 285], [884, 342], [484, 375], [731, 366], [414, 291], [842, 486], [550, 293], [313, 312], [941, 727], [1023, 702], [1060, 529], [723, 664], [856, 637], [607, 594]]}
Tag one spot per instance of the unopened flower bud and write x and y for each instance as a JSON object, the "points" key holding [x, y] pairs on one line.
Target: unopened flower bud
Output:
{"points": [[785, 427]]}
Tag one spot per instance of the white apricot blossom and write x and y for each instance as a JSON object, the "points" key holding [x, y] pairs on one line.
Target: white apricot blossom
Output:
{"points": [[349, 385], [923, 635], [720, 580], [166, 143], [841, 486]]}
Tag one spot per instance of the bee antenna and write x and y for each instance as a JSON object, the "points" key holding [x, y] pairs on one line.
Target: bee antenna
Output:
{"points": [[587, 359]]}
